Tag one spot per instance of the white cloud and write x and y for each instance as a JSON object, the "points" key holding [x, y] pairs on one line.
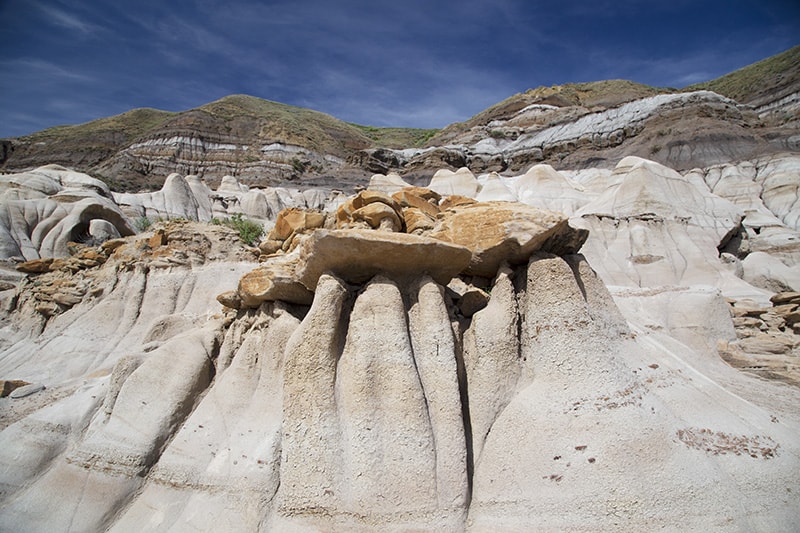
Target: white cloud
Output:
{"points": [[40, 71], [67, 20]]}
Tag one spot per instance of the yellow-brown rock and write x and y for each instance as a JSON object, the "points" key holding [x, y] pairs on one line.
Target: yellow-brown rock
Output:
{"points": [[357, 255], [378, 215], [269, 283], [110, 245], [503, 231], [344, 214], [792, 318], [424, 193], [65, 264], [786, 298], [7, 386], [473, 301], [270, 246], [407, 198], [417, 221], [89, 257], [230, 299], [159, 238], [295, 220], [455, 200], [369, 197], [74, 247], [35, 266]]}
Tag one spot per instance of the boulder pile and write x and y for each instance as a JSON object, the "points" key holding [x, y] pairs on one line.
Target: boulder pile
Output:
{"points": [[407, 234], [767, 339]]}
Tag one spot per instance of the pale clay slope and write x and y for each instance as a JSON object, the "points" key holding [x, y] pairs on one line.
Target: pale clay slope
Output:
{"points": [[44, 209], [556, 407]]}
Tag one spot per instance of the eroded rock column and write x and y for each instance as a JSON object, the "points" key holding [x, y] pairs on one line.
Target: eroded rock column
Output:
{"points": [[373, 429], [387, 439], [311, 445]]}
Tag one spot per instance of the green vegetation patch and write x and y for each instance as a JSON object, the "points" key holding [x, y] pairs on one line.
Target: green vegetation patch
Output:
{"points": [[111, 130], [277, 122], [397, 138], [749, 82], [249, 232]]}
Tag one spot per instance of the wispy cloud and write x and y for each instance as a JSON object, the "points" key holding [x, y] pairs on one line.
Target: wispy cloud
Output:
{"points": [[32, 69], [59, 17]]}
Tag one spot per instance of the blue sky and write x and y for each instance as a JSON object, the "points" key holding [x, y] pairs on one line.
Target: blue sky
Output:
{"points": [[411, 63]]}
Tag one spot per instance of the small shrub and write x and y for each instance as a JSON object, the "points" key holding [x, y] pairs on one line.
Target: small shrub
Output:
{"points": [[249, 232], [655, 149], [142, 224], [299, 165]]}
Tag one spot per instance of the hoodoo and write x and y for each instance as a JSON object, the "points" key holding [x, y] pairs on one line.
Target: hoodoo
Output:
{"points": [[405, 358]]}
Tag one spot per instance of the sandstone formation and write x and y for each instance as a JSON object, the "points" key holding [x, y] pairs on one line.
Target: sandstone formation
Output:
{"points": [[412, 358], [498, 232], [680, 130], [41, 211], [767, 338], [192, 199], [474, 239]]}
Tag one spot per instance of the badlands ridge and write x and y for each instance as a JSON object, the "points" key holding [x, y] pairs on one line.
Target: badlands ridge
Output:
{"points": [[549, 351]]}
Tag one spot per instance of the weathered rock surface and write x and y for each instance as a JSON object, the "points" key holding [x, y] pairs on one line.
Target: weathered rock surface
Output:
{"points": [[461, 182], [655, 227], [360, 379], [767, 338], [681, 130], [358, 255], [42, 210], [354, 255], [192, 199], [473, 239], [387, 183], [498, 232], [298, 418]]}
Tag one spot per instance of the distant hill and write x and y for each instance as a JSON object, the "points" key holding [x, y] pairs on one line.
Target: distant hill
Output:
{"points": [[137, 149], [570, 126], [85, 145], [577, 125], [591, 95], [760, 84]]}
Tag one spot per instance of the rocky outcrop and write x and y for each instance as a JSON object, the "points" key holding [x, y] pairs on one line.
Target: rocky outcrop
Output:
{"points": [[681, 130], [473, 239], [767, 338], [476, 374], [45, 209], [378, 406], [192, 199], [498, 232], [651, 214]]}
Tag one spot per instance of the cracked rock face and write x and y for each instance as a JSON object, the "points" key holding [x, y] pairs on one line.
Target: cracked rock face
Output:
{"points": [[381, 397], [307, 418]]}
